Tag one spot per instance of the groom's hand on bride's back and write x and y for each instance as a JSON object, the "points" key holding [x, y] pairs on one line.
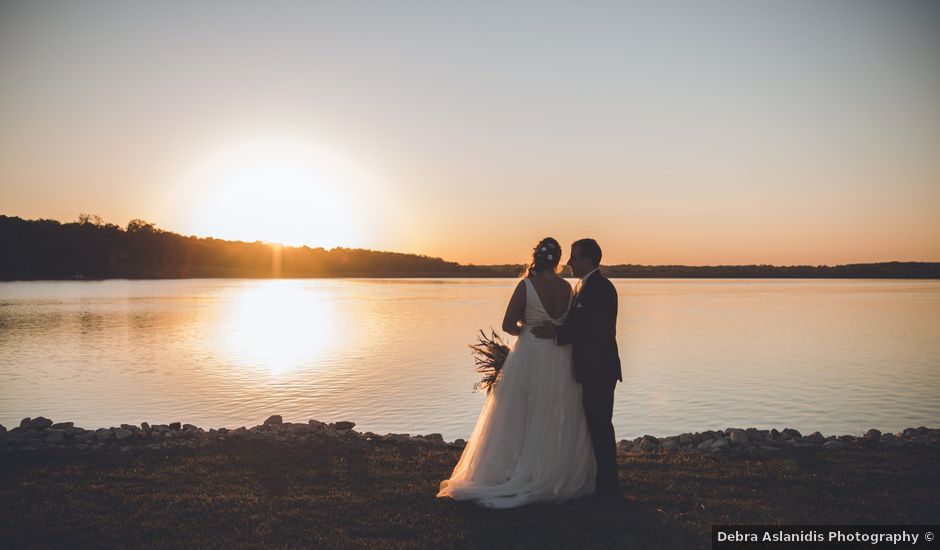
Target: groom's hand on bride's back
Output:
{"points": [[545, 330]]}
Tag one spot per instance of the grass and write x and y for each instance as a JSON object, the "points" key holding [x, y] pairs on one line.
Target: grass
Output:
{"points": [[355, 493]]}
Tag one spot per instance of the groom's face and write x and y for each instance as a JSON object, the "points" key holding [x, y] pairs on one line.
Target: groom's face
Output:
{"points": [[579, 266]]}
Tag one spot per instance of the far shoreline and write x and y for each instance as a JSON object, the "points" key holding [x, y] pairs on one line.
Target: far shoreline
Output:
{"points": [[91, 249], [467, 276]]}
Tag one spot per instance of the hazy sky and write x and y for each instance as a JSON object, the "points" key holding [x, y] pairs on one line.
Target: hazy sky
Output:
{"points": [[673, 132]]}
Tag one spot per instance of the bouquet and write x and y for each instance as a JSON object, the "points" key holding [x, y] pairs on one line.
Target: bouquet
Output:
{"points": [[489, 353]]}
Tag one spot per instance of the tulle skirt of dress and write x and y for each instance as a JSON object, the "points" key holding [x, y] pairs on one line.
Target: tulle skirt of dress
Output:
{"points": [[531, 442]]}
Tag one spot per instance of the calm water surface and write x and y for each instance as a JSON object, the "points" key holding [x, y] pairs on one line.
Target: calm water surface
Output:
{"points": [[839, 356]]}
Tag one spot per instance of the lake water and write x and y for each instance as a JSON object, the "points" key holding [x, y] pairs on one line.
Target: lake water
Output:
{"points": [[839, 356]]}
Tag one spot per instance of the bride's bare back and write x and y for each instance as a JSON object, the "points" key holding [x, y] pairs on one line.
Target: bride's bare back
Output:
{"points": [[553, 291]]}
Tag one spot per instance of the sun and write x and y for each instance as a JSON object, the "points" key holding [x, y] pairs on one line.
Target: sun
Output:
{"points": [[280, 191]]}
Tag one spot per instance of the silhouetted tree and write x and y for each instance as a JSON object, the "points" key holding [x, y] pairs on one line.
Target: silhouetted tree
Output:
{"points": [[90, 248], [138, 225]]}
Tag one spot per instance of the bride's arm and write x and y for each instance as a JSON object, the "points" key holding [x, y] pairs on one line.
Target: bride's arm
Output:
{"points": [[515, 311]]}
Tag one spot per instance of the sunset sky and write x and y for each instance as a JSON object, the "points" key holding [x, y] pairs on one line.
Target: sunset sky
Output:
{"points": [[695, 133]]}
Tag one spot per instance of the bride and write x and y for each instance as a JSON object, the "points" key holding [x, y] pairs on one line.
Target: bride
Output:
{"points": [[531, 442]]}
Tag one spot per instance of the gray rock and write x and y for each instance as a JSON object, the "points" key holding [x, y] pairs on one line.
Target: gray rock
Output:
{"points": [[104, 435], [753, 434], [705, 444], [129, 427], [274, 420], [687, 438], [24, 422], [145, 426], [3, 429], [670, 445], [792, 433], [460, 443], [815, 437], [191, 427], [648, 443], [834, 444], [437, 439], [624, 446], [55, 436], [768, 448], [175, 426], [343, 425], [85, 436], [122, 433], [738, 438], [25, 434], [719, 444], [63, 425], [873, 433], [38, 423]]}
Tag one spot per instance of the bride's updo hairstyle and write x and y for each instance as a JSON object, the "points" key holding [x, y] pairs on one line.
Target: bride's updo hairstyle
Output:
{"points": [[545, 255]]}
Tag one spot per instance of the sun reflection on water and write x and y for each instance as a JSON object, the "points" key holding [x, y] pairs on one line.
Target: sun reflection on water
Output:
{"points": [[279, 327]]}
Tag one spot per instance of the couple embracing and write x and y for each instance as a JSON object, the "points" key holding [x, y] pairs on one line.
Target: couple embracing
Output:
{"points": [[545, 433]]}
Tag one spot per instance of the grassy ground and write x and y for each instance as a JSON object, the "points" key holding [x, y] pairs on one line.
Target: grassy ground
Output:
{"points": [[352, 493]]}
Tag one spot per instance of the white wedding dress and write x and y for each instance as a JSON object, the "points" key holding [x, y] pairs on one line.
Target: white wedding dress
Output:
{"points": [[531, 442]]}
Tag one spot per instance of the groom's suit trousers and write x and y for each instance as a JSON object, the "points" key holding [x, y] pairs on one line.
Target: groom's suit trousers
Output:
{"points": [[598, 399]]}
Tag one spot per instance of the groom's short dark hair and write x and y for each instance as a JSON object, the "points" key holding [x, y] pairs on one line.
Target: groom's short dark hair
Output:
{"points": [[589, 249]]}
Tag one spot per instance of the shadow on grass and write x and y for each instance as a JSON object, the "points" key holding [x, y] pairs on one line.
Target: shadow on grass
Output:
{"points": [[588, 522]]}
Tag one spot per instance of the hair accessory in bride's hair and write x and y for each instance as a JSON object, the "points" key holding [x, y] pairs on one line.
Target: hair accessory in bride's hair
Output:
{"points": [[545, 255]]}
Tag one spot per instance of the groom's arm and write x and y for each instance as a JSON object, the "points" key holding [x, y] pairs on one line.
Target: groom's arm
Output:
{"points": [[564, 333]]}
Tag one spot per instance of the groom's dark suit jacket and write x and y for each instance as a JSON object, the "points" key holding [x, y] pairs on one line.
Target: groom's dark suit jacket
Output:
{"points": [[591, 328]]}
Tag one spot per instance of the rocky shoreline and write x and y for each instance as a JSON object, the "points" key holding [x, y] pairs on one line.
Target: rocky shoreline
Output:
{"points": [[42, 433]]}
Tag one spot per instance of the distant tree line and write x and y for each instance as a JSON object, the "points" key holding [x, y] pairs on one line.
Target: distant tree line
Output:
{"points": [[92, 249], [882, 270], [89, 248]]}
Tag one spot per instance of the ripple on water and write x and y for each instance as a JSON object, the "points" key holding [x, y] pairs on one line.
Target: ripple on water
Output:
{"points": [[391, 355]]}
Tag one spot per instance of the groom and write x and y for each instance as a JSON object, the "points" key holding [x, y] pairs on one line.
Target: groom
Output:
{"points": [[591, 328]]}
